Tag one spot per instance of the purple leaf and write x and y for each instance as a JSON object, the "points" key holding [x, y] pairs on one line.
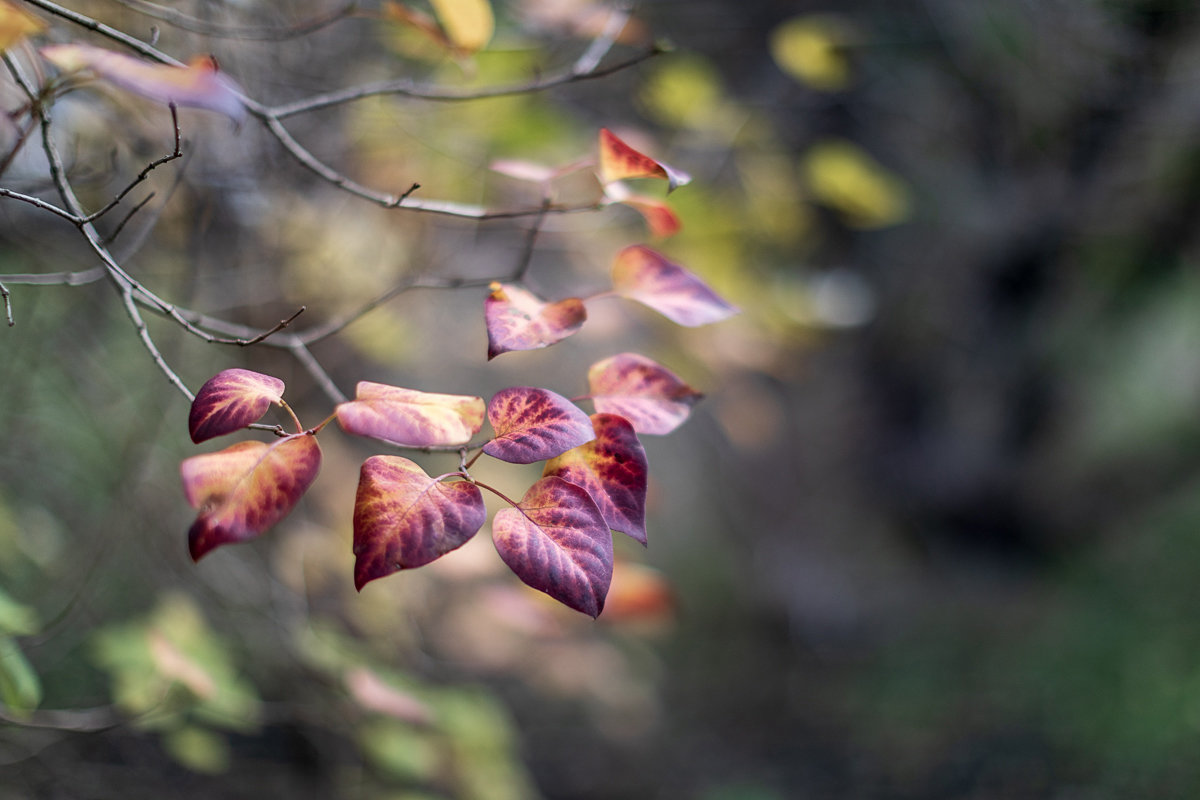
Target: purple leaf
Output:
{"points": [[646, 276], [556, 541], [518, 320], [613, 469], [534, 424], [243, 490], [653, 399], [404, 519], [231, 400]]}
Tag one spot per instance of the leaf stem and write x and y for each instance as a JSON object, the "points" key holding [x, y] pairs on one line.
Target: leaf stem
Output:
{"points": [[299, 428], [323, 423], [494, 491]]}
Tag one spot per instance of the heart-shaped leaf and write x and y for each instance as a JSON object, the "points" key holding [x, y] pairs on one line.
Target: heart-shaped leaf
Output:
{"points": [[198, 85], [556, 541], [410, 418], [646, 276], [518, 320], [404, 519], [661, 220], [243, 490], [613, 469], [653, 399], [231, 400], [534, 424], [619, 161]]}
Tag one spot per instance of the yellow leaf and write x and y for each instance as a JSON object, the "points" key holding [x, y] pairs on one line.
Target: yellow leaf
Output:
{"points": [[846, 179], [469, 24], [16, 23], [812, 49]]}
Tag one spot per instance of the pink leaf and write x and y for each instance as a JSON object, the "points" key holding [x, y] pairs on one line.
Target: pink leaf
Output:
{"points": [[517, 320], [646, 276], [613, 469], [534, 424], [410, 418], [619, 161], [556, 541], [231, 400], [374, 694], [653, 399], [198, 85], [405, 519], [243, 490]]}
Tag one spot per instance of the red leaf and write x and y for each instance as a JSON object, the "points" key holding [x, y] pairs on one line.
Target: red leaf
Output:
{"points": [[619, 161], [410, 418], [653, 399], [198, 85], [646, 276], [661, 220], [534, 424], [518, 320], [613, 469], [231, 400], [243, 490], [556, 541], [405, 519]]}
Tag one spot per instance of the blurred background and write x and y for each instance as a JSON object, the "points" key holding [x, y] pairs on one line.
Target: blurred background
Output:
{"points": [[933, 533]]}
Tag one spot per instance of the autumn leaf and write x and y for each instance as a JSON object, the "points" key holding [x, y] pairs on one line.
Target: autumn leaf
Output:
{"points": [[613, 469], [198, 85], [619, 161], [16, 24], [534, 424], [410, 418], [660, 218], [646, 276], [231, 400], [557, 542], [518, 320], [653, 399], [405, 519], [243, 490]]}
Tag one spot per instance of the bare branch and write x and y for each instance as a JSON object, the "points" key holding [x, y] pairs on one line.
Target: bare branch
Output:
{"points": [[406, 88], [4, 294], [141, 176], [283, 323], [41, 204], [81, 278], [310, 363], [139, 324], [112, 237]]}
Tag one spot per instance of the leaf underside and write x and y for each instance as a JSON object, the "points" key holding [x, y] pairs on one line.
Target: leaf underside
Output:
{"points": [[245, 489], [653, 399], [646, 276], [411, 418]]}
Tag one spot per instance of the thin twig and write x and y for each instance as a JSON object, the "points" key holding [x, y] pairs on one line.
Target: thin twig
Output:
{"points": [[531, 241], [141, 176], [139, 324], [310, 363], [618, 18], [4, 294], [406, 88], [40, 204], [112, 236], [80, 278], [283, 323]]}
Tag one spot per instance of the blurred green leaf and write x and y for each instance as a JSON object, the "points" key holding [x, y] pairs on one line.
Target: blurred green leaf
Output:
{"points": [[20, 689]]}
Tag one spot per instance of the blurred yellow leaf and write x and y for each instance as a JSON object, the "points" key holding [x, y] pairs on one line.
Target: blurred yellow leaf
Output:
{"points": [[812, 49], [685, 92], [16, 23], [468, 24], [848, 180]]}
